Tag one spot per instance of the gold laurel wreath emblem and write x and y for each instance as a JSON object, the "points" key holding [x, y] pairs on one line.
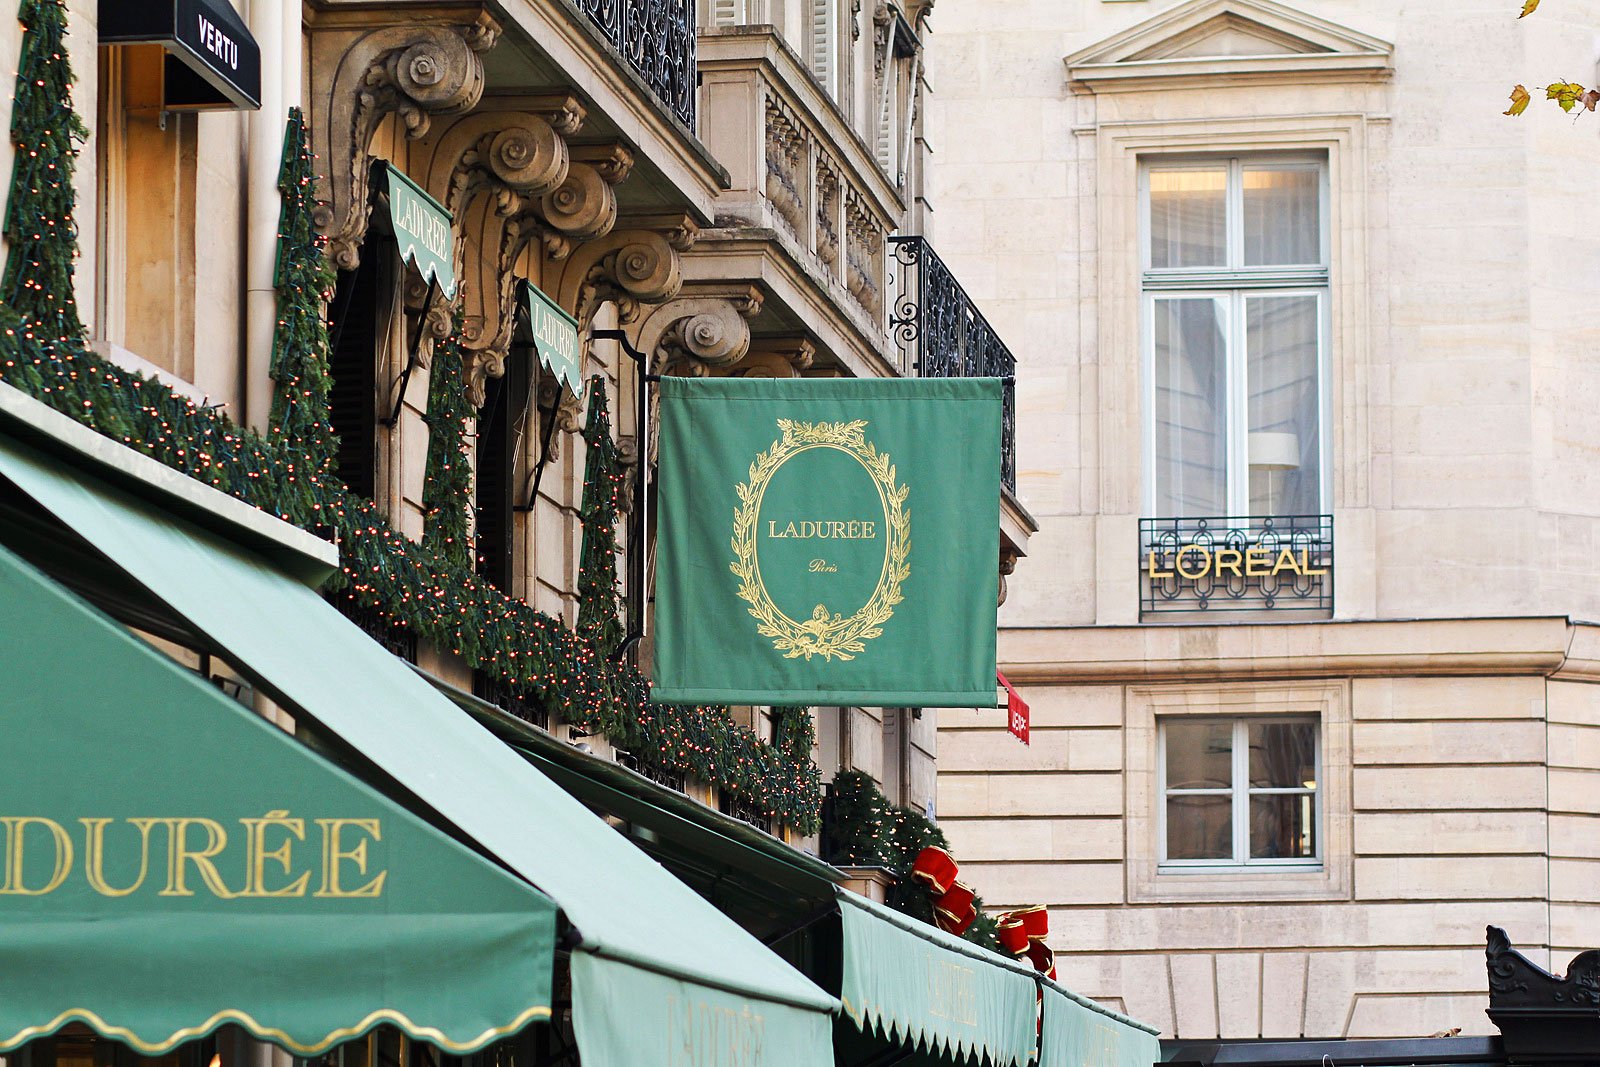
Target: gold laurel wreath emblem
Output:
{"points": [[831, 636]]}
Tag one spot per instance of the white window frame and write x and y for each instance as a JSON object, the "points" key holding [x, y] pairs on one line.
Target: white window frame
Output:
{"points": [[1233, 283], [1239, 793]]}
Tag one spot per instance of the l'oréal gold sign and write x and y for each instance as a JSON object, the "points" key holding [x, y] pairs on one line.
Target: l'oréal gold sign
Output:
{"points": [[1194, 562]]}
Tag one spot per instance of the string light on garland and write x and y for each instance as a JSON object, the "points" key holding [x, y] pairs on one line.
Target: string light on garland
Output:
{"points": [[599, 613], [426, 590], [864, 830]]}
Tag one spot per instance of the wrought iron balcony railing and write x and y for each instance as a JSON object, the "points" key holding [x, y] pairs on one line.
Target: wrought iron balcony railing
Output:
{"points": [[942, 334], [656, 37]]}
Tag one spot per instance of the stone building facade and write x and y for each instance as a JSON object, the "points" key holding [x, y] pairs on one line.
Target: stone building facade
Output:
{"points": [[718, 184], [1306, 395]]}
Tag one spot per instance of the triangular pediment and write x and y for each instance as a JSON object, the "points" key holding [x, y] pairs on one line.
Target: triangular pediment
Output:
{"points": [[1211, 37]]}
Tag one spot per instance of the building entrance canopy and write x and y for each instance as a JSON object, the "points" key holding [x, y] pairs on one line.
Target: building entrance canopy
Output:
{"points": [[636, 926], [172, 863]]}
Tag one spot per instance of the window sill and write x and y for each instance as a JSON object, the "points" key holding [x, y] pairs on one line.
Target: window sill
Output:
{"points": [[1241, 883]]}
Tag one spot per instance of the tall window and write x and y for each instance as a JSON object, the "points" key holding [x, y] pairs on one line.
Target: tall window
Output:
{"points": [[1240, 792], [1235, 286]]}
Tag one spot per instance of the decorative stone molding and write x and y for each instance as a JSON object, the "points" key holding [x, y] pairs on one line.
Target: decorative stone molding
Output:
{"points": [[631, 267], [364, 72], [1240, 41], [864, 255], [775, 357], [704, 330], [786, 174], [827, 214]]}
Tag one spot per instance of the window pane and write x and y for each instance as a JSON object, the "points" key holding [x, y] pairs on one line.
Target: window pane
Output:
{"points": [[1191, 414], [1200, 755], [1283, 826], [1283, 755], [1188, 220], [1285, 435], [1281, 224], [1199, 828]]}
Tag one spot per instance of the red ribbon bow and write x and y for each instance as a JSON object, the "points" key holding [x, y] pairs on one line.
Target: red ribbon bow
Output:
{"points": [[953, 906], [1023, 934]]}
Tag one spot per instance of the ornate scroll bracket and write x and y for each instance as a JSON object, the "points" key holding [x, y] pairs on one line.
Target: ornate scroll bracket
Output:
{"points": [[706, 329], [413, 69]]}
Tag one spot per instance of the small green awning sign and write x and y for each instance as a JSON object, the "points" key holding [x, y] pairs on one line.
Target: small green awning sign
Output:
{"points": [[555, 337], [422, 230], [828, 541]]}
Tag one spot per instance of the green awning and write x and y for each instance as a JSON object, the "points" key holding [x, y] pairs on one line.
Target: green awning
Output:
{"points": [[302, 652], [421, 229], [920, 986], [1080, 1033], [170, 863], [555, 337]]}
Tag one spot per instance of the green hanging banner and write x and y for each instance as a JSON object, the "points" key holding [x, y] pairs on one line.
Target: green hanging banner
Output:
{"points": [[422, 230], [828, 541], [555, 337]]}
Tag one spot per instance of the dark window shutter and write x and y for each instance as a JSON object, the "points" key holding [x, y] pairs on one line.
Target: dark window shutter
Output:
{"points": [[500, 426], [352, 363]]}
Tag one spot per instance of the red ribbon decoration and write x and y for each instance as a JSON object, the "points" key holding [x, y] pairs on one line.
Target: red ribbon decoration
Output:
{"points": [[953, 907], [1023, 934], [1016, 711]]}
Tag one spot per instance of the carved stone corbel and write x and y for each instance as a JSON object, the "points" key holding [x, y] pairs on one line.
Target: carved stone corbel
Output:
{"points": [[1008, 564], [775, 357], [488, 169], [630, 267], [704, 330], [364, 71]]}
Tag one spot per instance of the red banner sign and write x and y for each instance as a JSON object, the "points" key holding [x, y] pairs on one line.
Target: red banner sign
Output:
{"points": [[1016, 711]]}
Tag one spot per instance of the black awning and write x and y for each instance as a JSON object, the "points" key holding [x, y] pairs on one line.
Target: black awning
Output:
{"points": [[212, 61]]}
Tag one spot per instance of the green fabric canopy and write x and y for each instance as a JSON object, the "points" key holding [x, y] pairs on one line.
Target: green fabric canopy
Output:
{"points": [[555, 337], [1080, 1033], [923, 987], [628, 910], [421, 229], [170, 862]]}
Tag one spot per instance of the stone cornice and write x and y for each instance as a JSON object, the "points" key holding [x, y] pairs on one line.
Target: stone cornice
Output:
{"points": [[1548, 646]]}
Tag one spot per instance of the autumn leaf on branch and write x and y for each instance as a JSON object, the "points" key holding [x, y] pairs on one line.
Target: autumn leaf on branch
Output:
{"points": [[1528, 8], [1566, 94], [1519, 101]]}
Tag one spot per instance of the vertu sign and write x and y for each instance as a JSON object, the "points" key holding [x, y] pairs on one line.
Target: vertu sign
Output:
{"points": [[212, 61]]}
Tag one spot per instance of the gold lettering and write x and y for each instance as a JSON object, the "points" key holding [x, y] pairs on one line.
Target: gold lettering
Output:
{"points": [[1205, 564], [257, 854], [1305, 564], [1227, 559], [94, 855], [1150, 567], [1253, 556], [334, 854], [772, 528], [808, 528], [16, 830], [837, 528], [1285, 561], [180, 855]]}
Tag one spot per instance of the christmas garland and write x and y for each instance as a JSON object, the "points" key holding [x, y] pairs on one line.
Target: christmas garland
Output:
{"points": [[862, 829], [429, 588]]}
